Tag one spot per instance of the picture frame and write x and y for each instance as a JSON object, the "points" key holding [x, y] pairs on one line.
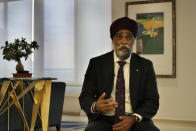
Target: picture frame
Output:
{"points": [[156, 39]]}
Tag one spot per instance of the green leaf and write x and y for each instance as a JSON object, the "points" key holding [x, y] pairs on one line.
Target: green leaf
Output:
{"points": [[18, 49]]}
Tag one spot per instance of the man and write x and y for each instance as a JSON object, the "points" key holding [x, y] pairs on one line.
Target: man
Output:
{"points": [[120, 91]]}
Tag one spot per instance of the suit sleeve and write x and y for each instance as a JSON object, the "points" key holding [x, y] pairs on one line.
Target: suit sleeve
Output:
{"points": [[150, 104], [88, 94]]}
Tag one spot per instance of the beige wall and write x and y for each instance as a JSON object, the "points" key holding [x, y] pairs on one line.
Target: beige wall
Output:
{"points": [[177, 96]]}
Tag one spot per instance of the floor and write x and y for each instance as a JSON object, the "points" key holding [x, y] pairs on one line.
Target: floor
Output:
{"points": [[71, 118], [164, 126]]}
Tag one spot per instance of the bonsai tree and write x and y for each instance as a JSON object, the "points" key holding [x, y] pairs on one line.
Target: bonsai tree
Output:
{"points": [[17, 50]]}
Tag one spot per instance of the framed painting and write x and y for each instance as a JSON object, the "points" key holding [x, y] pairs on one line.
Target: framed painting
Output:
{"points": [[156, 38]]}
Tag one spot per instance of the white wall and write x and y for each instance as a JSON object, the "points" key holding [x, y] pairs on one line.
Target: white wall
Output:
{"points": [[15, 23], [177, 96]]}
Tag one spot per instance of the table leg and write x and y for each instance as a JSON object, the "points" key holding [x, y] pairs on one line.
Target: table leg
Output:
{"points": [[37, 100], [17, 104], [2, 95], [45, 104], [4, 90], [20, 87]]}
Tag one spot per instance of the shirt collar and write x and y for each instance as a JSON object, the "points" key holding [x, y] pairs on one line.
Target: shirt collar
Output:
{"points": [[116, 59]]}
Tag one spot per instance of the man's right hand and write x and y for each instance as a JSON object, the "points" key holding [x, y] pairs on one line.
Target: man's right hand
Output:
{"points": [[105, 105]]}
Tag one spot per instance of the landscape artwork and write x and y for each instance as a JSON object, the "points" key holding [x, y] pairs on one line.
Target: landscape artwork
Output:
{"points": [[150, 39]]}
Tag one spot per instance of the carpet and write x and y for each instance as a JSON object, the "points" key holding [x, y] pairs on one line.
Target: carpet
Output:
{"points": [[73, 124]]}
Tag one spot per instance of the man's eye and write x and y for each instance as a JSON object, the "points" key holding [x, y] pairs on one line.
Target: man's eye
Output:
{"points": [[119, 37]]}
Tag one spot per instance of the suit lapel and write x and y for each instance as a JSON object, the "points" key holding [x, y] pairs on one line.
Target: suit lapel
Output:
{"points": [[108, 74], [135, 71]]}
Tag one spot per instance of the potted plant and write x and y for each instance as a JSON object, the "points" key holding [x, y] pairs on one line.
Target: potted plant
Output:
{"points": [[20, 48]]}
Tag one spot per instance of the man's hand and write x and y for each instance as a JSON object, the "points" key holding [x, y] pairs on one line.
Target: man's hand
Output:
{"points": [[105, 105], [125, 124]]}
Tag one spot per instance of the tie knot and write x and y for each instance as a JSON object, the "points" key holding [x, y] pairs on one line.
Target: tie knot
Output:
{"points": [[121, 63]]}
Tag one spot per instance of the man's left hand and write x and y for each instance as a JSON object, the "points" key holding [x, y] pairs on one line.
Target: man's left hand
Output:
{"points": [[125, 124]]}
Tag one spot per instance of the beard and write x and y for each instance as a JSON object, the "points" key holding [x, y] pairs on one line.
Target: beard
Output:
{"points": [[122, 55]]}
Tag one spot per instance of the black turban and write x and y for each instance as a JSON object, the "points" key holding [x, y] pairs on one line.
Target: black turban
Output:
{"points": [[123, 23]]}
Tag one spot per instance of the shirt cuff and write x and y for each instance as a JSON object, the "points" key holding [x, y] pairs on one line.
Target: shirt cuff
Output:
{"points": [[93, 108], [138, 117]]}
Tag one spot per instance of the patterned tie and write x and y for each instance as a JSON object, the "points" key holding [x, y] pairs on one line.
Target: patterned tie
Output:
{"points": [[120, 92]]}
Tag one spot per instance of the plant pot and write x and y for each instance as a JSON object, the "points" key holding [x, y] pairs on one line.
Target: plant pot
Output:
{"points": [[22, 75]]}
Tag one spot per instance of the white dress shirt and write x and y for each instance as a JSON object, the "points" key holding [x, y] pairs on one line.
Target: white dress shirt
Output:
{"points": [[126, 69]]}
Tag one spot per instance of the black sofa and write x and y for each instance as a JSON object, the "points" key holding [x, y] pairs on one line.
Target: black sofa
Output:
{"points": [[55, 114]]}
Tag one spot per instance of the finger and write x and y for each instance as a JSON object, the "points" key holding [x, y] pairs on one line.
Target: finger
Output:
{"points": [[105, 107], [119, 126], [124, 123], [109, 103], [113, 104], [106, 101], [121, 117], [108, 109], [102, 96], [123, 120], [108, 106]]}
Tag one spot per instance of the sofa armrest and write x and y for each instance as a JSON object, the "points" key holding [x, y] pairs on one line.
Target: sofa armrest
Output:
{"points": [[56, 103]]}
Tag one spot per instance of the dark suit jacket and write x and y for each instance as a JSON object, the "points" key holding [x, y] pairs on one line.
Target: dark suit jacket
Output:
{"points": [[99, 78]]}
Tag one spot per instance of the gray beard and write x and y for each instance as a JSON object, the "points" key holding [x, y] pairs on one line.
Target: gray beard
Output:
{"points": [[121, 54]]}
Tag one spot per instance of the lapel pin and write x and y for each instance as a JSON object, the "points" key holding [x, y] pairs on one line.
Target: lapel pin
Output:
{"points": [[137, 70]]}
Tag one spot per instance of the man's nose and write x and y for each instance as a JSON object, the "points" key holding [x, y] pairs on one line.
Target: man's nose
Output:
{"points": [[124, 40]]}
